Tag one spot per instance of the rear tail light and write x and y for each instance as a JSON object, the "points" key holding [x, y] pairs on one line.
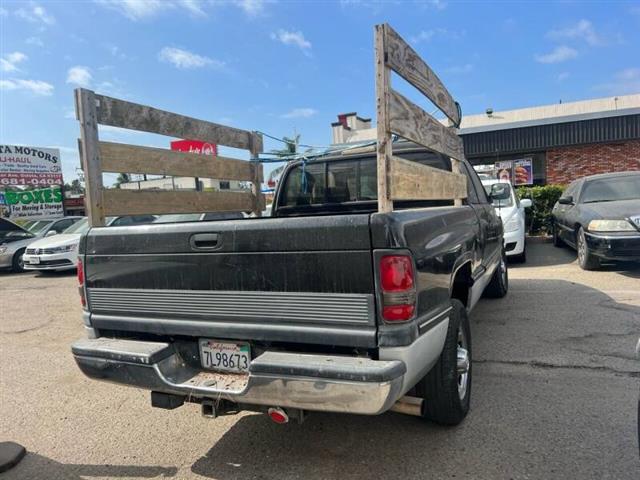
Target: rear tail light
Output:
{"points": [[83, 298], [397, 280]]}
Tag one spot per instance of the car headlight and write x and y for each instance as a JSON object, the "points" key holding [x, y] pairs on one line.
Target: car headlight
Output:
{"points": [[512, 225], [3, 249], [610, 226], [64, 248]]}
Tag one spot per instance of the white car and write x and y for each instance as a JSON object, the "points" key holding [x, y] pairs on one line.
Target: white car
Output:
{"points": [[58, 252], [511, 211]]}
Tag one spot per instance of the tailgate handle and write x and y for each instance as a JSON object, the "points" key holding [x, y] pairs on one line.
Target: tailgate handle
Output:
{"points": [[204, 241]]}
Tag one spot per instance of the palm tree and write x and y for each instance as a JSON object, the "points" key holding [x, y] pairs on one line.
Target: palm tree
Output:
{"points": [[122, 178]]}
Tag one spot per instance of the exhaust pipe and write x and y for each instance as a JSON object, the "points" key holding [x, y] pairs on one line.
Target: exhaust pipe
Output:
{"points": [[408, 406]]}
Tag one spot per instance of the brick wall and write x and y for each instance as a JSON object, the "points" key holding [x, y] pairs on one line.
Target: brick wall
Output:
{"points": [[568, 163]]}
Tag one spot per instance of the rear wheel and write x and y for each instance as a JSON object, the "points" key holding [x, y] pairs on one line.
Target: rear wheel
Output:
{"points": [[17, 264], [499, 284], [446, 389], [586, 259]]}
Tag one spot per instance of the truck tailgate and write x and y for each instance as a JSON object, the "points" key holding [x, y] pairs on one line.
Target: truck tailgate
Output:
{"points": [[306, 280]]}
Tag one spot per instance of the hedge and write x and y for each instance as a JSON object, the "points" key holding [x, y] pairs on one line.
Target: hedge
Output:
{"points": [[543, 197]]}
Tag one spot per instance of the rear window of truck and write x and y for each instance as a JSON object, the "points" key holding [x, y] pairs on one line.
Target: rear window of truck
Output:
{"points": [[342, 181]]}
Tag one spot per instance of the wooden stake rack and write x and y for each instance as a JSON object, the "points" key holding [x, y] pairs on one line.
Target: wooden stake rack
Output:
{"points": [[400, 179], [98, 157]]}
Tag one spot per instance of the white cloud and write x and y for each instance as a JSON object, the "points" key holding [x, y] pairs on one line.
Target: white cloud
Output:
{"points": [[35, 41], [431, 34], [460, 69], [185, 59], [80, 76], [300, 113], [251, 8], [35, 13], [583, 30], [292, 38], [3, 12], [624, 82], [144, 9], [36, 87], [559, 54], [9, 62], [562, 76]]}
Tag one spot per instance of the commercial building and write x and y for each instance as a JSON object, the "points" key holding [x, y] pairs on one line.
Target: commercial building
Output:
{"points": [[561, 142]]}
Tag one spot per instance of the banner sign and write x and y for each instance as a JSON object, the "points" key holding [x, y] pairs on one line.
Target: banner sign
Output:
{"points": [[518, 172], [195, 146], [43, 202], [523, 171], [36, 166]]}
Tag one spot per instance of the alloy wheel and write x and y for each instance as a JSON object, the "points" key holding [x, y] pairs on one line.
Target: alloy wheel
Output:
{"points": [[462, 363]]}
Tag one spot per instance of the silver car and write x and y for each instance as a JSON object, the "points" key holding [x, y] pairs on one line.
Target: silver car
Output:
{"points": [[14, 238]]}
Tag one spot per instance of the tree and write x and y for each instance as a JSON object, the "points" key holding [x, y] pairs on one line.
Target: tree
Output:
{"points": [[74, 187], [290, 148], [122, 178]]}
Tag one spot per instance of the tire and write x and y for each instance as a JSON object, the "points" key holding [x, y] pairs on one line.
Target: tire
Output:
{"points": [[446, 390], [557, 241], [17, 264], [499, 284], [586, 259]]}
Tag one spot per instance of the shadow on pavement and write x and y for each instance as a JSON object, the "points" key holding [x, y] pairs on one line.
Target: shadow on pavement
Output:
{"points": [[544, 255], [35, 466]]}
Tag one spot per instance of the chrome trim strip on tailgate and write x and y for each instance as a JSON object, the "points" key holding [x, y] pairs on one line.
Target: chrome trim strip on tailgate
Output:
{"points": [[307, 307]]}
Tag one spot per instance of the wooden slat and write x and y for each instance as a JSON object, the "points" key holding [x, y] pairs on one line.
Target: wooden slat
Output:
{"points": [[89, 155], [414, 181], [384, 147], [119, 113], [142, 202], [407, 63], [119, 157], [413, 123], [256, 184]]}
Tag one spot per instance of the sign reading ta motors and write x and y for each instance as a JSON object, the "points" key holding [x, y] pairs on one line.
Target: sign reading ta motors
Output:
{"points": [[20, 165]]}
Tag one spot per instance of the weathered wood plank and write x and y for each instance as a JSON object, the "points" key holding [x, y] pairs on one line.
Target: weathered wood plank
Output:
{"points": [[384, 147], [142, 202], [120, 113], [119, 157], [413, 123], [407, 63], [90, 155], [256, 183], [415, 181]]}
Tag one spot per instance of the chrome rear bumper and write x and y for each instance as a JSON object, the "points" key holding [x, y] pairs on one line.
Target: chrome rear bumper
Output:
{"points": [[308, 382]]}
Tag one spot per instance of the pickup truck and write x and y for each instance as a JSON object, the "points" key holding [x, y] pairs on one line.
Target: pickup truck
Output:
{"points": [[327, 305]]}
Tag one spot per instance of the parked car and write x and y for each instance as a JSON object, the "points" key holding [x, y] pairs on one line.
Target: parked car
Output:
{"points": [[61, 251], [14, 244], [327, 305], [599, 216], [511, 210]]}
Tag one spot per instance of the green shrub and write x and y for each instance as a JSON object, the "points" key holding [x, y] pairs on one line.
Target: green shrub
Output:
{"points": [[543, 198]]}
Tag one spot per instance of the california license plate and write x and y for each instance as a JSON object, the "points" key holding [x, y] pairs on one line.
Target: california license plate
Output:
{"points": [[224, 356]]}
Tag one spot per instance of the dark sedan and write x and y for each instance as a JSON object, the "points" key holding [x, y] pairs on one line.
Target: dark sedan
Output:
{"points": [[599, 216]]}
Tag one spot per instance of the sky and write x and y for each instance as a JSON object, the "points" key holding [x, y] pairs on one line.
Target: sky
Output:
{"points": [[291, 66]]}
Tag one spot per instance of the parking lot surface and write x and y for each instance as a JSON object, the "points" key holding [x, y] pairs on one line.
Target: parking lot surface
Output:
{"points": [[555, 395]]}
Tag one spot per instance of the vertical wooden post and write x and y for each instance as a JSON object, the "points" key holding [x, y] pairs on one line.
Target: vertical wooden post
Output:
{"points": [[384, 146], [89, 155], [256, 141], [456, 167]]}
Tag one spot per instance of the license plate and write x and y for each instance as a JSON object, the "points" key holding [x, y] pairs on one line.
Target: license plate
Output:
{"points": [[224, 356], [33, 260]]}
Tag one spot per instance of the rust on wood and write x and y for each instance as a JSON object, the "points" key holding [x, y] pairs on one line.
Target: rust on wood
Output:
{"points": [[407, 63], [413, 123], [415, 181]]}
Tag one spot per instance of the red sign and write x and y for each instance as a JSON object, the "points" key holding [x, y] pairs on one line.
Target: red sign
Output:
{"points": [[195, 146]]}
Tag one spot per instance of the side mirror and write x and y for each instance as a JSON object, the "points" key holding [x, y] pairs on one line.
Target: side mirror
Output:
{"points": [[526, 203], [51, 233], [568, 200]]}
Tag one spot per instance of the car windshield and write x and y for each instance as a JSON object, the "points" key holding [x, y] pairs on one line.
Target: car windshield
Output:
{"points": [[611, 189], [79, 227], [505, 199], [39, 226]]}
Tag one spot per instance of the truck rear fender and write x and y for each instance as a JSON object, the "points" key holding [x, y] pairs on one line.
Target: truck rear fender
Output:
{"points": [[462, 280]]}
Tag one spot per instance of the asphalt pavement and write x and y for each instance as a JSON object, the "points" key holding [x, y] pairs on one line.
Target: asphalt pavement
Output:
{"points": [[554, 396]]}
